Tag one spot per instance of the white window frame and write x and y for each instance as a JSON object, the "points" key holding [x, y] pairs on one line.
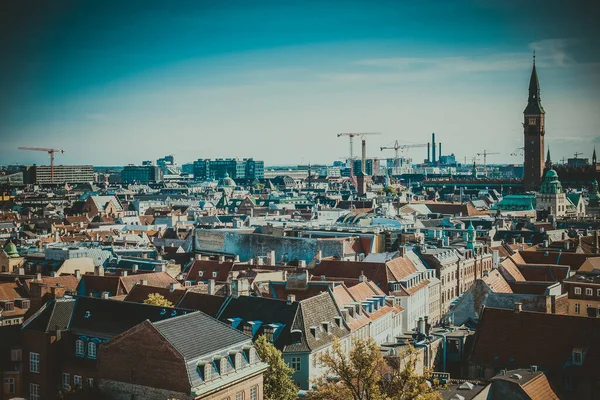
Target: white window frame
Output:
{"points": [[66, 381], [34, 362], [77, 381], [253, 356], [34, 391], [90, 382], [254, 392], [92, 349], [296, 364], [207, 372], [577, 308], [239, 395], [577, 290], [239, 360], [79, 348], [589, 291]]}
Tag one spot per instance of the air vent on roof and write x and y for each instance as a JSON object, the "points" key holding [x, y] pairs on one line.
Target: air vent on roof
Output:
{"points": [[466, 386], [516, 376]]}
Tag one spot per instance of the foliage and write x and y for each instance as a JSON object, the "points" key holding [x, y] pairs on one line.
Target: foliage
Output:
{"points": [[278, 383], [363, 374], [390, 190], [156, 299]]}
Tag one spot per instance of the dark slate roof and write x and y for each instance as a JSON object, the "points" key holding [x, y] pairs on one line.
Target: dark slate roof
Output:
{"points": [[54, 315], [208, 304], [182, 332], [196, 336], [265, 310], [108, 318]]}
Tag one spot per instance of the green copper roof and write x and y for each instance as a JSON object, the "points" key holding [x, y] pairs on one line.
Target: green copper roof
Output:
{"points": [[551, 184], [11, 250]]}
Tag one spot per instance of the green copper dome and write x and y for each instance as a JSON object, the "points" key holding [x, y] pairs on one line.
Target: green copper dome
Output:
{"points": [[551, 184], [227, 181], [11, 250]]}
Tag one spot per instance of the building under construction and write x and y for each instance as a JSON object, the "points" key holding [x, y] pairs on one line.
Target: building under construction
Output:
{"points": [[42, 174]]}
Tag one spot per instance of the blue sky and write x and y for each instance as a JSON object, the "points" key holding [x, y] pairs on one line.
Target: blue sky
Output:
{"points": [[121, 82]]}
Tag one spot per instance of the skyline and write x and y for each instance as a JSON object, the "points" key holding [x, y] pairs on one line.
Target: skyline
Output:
{"points": [[275, 79]]}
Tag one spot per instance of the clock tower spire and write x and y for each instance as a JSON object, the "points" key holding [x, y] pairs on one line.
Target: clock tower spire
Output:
{"points": [[534, 131]]}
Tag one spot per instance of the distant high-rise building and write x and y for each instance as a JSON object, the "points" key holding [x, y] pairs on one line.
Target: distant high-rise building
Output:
{"points": [[143, 174], [534, 131], [205, 169]]}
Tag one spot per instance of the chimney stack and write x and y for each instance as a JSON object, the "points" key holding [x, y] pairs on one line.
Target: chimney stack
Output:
{"points": [[78, 274], [99, 270], [123, 273], [518, 307], [38, 277], [433, 158], [211, 286]]}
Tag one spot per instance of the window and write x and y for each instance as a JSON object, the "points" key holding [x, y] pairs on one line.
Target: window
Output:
{"points": [[576, 308], [577, 290], [296, 365], [224, 366], [214, 274], [239, 396], [589, 292], [66, 381], [598, 292], [269, 331], [34, 391], [76, 380], [208, 372], [253, 357], [34, 362], [248, 329], [239, 360], [92, 350], [453, 347], [79, 348], [254, 393], [90, 382], [9, 385], [577, 357], [15, 355]]}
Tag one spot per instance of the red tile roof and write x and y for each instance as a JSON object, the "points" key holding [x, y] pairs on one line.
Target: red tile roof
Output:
{"points": [[496, 282]]}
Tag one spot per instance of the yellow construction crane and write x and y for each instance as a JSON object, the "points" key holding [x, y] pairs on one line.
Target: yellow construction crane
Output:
{"points": [[49, 151], [351, 136], [485, 154]]}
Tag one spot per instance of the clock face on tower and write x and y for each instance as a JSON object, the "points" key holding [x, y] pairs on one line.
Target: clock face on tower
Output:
{"points": [[532, 121]]}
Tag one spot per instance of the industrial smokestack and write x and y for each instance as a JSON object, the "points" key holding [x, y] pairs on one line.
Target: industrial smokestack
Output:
{"points": [[433, 148], [364, 157], [428, 152], [440, 152]]}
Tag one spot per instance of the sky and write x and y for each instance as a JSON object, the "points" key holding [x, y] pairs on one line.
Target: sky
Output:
{"points": [[113, 82]]}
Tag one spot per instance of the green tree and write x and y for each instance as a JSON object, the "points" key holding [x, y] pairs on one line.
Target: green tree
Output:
{"points": [[156, 299], [363, 374], [390, 190], [278, 383]]}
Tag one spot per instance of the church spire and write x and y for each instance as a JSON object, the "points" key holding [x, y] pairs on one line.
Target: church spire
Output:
{"points": [[534, 105], [548, 160], [594, 156]]}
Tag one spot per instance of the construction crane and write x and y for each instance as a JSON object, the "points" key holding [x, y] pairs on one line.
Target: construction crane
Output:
{"points": [[351, 136], [49, 151], [518, 152], [577, 154], [398, 146], [485, 154]]}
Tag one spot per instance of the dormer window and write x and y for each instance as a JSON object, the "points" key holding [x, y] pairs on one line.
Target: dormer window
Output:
{"points": [[214, 274], [208, 368], [200, 274], [253, 356], [224, 366], [578, 354], [269, 333], [325, 327], [589, 292], [314, 330], [239, 361], [91, 350], [79, 348], [9, 306], [577, 290], [249, 328]]}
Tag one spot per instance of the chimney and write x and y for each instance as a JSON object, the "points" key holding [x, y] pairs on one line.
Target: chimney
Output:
{"points": [[259, 261], [77, 274], [433, 159], [291, 298], [143, 282], [123, 273], [173, 286], [533, 368], [104, 295], [428, 152], [440, 150], [362, 277], [134, 268], [301, 264], [221, 259], [514, 241], [420, 328], [271, 260], [211, 286], [197, 256], [236, 259], [596, 242], [522, 240], [545, 244], [320, 253], [160, 268], [518, 307], [99, 270], [38, 277], [426, 318]]}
